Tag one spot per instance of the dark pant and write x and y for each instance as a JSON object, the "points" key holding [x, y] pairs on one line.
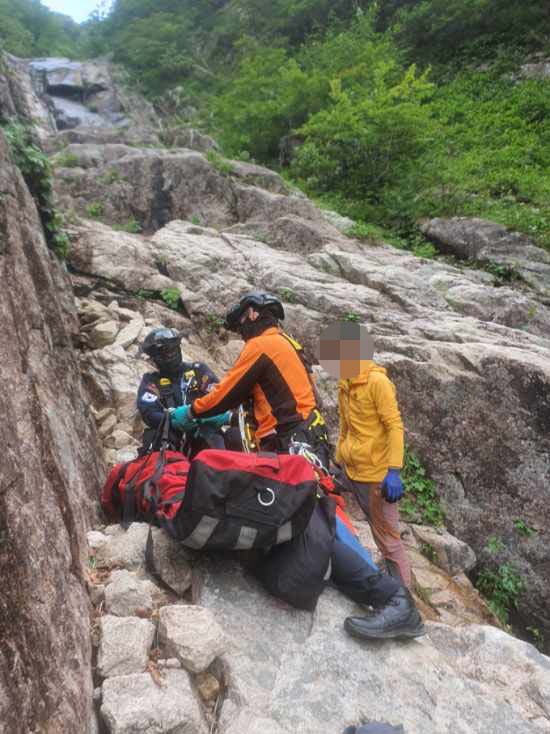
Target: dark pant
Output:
{"points": [[355, 576]]}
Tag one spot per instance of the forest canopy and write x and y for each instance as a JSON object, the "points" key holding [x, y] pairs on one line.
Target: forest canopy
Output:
{"points": [[395, 110]]}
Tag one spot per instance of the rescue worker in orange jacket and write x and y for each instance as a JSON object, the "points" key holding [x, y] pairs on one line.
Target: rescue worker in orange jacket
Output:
{"points": [[272, 371]]}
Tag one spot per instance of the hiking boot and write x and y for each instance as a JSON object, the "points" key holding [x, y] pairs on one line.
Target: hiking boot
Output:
{"points": [[399, 617]]}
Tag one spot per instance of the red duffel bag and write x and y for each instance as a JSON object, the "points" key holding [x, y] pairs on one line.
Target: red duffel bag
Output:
{"points": [[237, 501], [146, 489]]}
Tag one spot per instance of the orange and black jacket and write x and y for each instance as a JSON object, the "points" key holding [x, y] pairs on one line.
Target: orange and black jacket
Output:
{"points": [[270, 370]]}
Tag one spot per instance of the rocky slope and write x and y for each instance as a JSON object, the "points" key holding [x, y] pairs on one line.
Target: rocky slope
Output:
{"points": [[471, 361]]}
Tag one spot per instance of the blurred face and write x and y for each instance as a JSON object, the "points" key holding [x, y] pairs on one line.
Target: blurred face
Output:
{"points": [[344, 349]]}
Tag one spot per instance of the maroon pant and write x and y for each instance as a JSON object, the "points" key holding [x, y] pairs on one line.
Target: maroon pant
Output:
{"points": [[383, 518]]}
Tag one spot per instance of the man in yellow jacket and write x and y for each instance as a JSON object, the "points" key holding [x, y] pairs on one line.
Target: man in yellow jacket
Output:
{"points": [[370, 444]]}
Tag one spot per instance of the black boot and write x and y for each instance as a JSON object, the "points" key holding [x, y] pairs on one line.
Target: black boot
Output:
{"points": [[399, 617]]}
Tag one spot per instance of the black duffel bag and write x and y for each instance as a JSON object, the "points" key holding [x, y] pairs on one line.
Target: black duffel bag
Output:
{"points": [[297, 571], [236, 501]]}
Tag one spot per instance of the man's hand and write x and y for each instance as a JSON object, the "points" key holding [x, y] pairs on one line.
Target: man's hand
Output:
{"points": [[181, 418], [392, 486], [216, 421]]}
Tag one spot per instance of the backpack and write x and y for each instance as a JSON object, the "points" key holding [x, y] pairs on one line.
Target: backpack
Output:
{"points": [[236, 501], [146, 489], [297, 571]]}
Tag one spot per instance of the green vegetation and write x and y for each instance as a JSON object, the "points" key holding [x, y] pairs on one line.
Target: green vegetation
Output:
{"points": [[524, 529], [429, 552], [219, 162], [538, 637], [214, 323], [110, 177], [494, 545], [28, 28], [95, 210], [37, 172], [131, 225], [420, 502], [501, 587], [351, 316], [66, 160], [287, 294], [393, 111], [171, 297]]}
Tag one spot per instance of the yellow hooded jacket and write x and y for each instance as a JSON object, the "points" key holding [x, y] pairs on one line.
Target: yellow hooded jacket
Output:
{"points": [[371, 430]]}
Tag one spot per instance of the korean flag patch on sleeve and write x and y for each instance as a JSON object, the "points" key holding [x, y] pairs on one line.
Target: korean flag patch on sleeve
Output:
{"points": [[148, 397]]}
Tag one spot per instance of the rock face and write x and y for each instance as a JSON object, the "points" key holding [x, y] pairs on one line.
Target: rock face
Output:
{"points": [[51, 473], [478, 239]]}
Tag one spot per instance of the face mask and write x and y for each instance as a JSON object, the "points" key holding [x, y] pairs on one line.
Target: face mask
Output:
{"points": [[169, 359], [250, 329]]}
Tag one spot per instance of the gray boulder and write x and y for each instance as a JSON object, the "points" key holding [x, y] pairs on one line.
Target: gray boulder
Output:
{"points": [[135, 704], [124, 645], [479, 239], [191, 634], [125, 594], [451, 554]]}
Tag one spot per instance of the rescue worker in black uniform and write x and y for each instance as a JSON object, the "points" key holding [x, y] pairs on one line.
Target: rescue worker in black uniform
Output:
{"points": [[173, 384]]}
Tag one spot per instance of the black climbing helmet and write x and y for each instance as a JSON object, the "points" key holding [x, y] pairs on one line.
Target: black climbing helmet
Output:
{"points": [[260, 301], [163, 346]]}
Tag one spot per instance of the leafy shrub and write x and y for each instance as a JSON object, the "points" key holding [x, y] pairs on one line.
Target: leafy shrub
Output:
{"points": [[351, 316], [171, 297], [502, 587], [95, 210], [219, 162], [287, 294], [214, 323], [420, 502], [66, 160], [131, 225], [37, 172], [523, 528]]}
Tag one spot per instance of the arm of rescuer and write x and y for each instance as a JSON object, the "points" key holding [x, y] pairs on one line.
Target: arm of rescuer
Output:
{"points": [[383, 394], [148, 402], [235, 387]]}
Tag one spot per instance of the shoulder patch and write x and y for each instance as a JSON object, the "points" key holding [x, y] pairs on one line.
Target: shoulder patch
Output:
{"points": [[148, 397]]}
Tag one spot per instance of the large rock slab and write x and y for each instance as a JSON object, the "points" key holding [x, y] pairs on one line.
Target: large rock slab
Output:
{"points": [[135, 704], [480, 239], [50, 476], [291, 671]]}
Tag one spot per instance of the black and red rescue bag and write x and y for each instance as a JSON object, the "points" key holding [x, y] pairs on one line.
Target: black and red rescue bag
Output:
{"points": [[236, 501], [146, 489], [297, 572]]}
